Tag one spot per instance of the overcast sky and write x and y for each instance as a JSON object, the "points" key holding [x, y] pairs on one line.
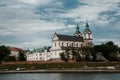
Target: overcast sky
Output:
{"points": [[32, 23]]}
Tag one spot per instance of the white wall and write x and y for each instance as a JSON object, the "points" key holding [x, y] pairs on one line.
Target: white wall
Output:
{"points": [[56, 54], [56, 50], [14, 53], [44, 56]]}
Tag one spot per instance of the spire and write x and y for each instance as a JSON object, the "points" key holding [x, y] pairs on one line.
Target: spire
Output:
{"points": [[77, 29], [77, 33], [87, 25]]}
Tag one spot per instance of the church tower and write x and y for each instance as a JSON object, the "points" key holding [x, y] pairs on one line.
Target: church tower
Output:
{"points": [[87, 35], [78, 33]]}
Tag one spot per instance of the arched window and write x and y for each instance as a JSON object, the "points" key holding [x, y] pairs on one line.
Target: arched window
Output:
{"points": [[90, 36], [67, 44], [87, 36], [81, 45], [72, 44], [77, 45], [55, 44], [84, 36], [62, 43]]}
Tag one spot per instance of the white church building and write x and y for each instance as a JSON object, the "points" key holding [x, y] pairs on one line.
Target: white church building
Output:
{"points": [[61, 42]]}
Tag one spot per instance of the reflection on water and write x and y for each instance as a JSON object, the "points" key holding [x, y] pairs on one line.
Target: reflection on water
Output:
{"points": [[60, 76]]}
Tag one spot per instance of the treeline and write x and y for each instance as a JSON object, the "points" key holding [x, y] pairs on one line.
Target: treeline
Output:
{"points": [[104, 52], [5, 55]]}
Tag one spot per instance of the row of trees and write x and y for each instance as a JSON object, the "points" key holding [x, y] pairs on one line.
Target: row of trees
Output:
{"points": [[104, 52], [5, 55]]}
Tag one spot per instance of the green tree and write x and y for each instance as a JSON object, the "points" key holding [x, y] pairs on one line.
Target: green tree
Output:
{"points": [[10, 58], [108, 50], [96, 49], [119, 50], [4, 52], [78, 57], [21, 56], [86, 52], [74, 54], [67, 54], [63, 57]]}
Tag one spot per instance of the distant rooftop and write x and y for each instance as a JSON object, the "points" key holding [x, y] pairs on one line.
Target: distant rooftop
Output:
{"points": [[15, 49]]}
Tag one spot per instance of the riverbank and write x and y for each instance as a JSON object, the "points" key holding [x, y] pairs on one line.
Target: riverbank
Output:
{"points": [[61, 67], [61, 71]]}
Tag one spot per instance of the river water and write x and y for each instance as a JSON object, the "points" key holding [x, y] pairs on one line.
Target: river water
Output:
{"points": [[61, 76]]}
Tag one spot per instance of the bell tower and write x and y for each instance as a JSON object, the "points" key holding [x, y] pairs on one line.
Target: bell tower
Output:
{"points": [[87, 35], [78, 33]]}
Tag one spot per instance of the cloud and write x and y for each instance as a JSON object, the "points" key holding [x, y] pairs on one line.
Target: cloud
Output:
{"points": [[36, 2], [30, 44], [22, 27], [92, 10], [31, 23], [34, 32]]}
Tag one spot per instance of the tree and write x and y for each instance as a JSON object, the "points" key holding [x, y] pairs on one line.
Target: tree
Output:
{"points": [[10, 58], [78, 57], [119, 50], [99, 57], [21, 56], [74, 54], [86, 53], [67, 54], [4, 52], [63, 57], [108, 50]]}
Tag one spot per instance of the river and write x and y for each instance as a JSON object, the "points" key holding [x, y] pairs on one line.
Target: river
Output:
{"points": [[61, 76]]}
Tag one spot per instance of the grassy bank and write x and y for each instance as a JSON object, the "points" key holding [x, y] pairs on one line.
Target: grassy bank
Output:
{"points": [[61, 66]]}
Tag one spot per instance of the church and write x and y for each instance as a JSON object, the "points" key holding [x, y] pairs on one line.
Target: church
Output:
{"points": [[62, 42]]}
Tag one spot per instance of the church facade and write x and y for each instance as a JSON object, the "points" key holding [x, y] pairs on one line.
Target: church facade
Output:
{"points": [[62, 42]]}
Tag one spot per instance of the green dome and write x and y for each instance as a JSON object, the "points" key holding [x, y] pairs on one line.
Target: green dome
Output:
{"points": [[87, 28]]}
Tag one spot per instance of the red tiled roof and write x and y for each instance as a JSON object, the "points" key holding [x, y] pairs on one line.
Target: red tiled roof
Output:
{"points": [[15, 49]]}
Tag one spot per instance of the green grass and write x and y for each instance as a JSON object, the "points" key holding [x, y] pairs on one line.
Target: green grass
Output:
{"points": [[55, 66]]}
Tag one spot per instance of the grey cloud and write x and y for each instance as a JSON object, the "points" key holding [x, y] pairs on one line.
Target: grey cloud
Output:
{"points": [[28, 25]]}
